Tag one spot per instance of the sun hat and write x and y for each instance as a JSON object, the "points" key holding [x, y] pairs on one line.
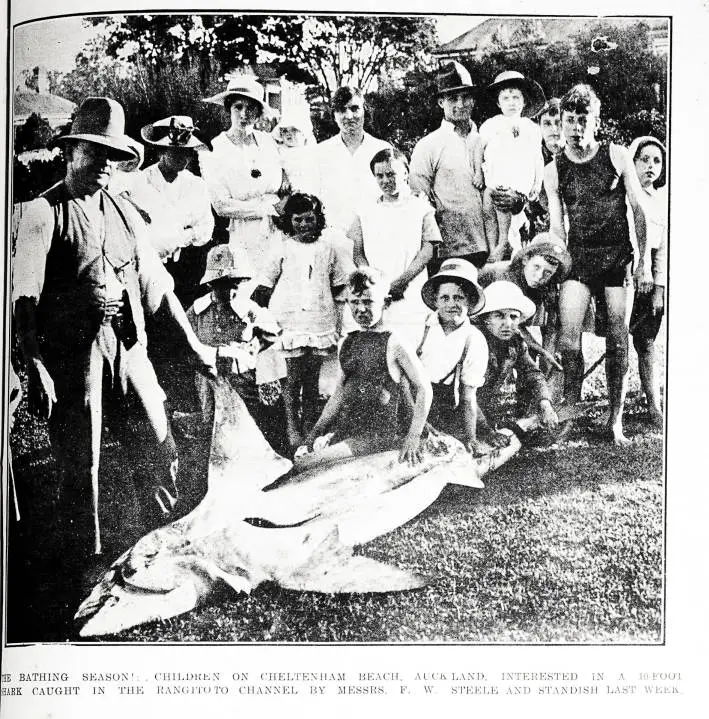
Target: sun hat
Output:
{"points": [[299, 118], [549, 245], [453, 77], [223, 261], [242, 85], [102, 121], [461, 272], [173, 131], [534, 95], [504, 295]]}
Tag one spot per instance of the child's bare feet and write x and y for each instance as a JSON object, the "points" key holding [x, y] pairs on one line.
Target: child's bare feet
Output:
{"points": [[619, 438]]}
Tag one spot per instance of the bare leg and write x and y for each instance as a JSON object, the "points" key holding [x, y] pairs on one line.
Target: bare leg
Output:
{"points": [[311, 393], [573, 303], [645, 348], [489, 214], [503, 234], [291, 399], [617, 359]]}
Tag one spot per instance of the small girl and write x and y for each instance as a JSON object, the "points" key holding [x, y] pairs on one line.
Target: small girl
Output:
{"points": [[509, 153], [363, 410], [396, 235], [308, 270], [294, 135]]}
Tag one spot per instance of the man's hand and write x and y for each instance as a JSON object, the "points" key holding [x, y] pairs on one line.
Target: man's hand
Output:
{"points": [[42, 395], [643, 278], [478, 181], [658, 300], [206, 360], [397, 289]]}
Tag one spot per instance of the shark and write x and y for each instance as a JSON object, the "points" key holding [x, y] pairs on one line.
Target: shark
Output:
{"points": [[261, 521]]}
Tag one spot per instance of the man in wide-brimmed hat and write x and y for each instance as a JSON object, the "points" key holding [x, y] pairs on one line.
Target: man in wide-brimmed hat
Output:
{"points": [[442, 170], [83, 278], [185, 195]]}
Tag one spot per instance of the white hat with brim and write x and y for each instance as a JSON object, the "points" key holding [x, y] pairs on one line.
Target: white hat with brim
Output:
{"points": [[534, 95], [176, 131], [225, 262], [242, 86], [461, 272], [504, 295], [547, 245], [101, 120]]}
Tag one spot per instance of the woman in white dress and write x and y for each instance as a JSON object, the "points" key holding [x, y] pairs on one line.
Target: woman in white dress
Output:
{"points": [[244, 172], [396, 235]]}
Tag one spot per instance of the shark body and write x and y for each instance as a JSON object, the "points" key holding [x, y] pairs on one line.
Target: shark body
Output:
{"points": [[256, 525]]}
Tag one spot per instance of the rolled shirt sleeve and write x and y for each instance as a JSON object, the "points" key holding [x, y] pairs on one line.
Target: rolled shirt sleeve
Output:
{"points": [[34, 223]]}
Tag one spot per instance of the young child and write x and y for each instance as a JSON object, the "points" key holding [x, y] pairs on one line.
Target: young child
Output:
{"points": [[505, 307], [242, 332], [294, 135], [362, 412], [592, 183], [308, 270], [453, 351], [509, 152], [396, 235]]}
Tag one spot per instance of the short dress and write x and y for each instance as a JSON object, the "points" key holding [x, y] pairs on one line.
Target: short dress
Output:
{"points": [[371, 402], [302, 276], [513, 152]]}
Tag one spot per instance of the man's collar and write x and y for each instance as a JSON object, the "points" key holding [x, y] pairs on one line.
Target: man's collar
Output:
{"points": [[448, 126]]}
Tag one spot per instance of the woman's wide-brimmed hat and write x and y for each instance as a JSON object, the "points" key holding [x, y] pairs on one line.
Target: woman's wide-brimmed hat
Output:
{"points": [[453, 77], [462, 273], [547, 245], [174, 131], [533, 93], [102, 121], [504, 295], [223, 261], [243, 86]]}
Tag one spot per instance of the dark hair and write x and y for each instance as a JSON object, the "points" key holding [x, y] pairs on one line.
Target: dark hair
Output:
{"points": [[471, 294], [551, 107], [343, 95], [297, 204], [662, 177], [229, 100], [581, 99], [365, 277], [388, 154]]}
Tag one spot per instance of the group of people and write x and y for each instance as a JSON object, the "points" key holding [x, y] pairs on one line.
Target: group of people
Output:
{"points": [[359, 300]]}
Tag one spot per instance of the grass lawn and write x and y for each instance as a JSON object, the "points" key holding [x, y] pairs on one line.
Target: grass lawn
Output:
{"points": [[565, 544]]}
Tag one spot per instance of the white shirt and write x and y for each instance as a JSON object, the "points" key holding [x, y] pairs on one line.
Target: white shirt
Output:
{"points": [[344, 179], [441, 352]]}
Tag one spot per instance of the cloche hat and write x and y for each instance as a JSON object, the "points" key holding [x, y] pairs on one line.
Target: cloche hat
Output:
{"points": [[461, 272], [242, 85], [223, 261], [174, 131], [533, 93], [504, 295], [453, 77], [548, 245], [102, 121]]}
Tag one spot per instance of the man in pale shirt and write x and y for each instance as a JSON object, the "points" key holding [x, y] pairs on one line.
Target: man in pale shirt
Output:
{"points": [[344, 178], [442, 170]]}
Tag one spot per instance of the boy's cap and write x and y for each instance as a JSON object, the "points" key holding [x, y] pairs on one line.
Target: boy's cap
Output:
{"points": [[223, 261], [504, 295], [453, 77], [461, 272], [533, 93]]}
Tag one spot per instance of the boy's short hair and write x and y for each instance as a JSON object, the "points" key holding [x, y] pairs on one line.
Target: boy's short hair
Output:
{"points": [[343, 95], [389, 154], [581, 99], [551, 107], [297, 204], [365, 278]]}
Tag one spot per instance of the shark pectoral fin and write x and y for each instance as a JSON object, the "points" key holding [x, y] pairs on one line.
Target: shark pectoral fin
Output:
{"points": [[238, 579], [357, 574]]}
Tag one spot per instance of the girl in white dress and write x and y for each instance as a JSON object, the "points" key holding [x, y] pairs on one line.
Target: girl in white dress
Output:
{"points": [[396, 235]]}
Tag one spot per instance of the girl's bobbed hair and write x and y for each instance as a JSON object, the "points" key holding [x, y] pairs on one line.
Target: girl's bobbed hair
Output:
{"points": [[297, 204]]}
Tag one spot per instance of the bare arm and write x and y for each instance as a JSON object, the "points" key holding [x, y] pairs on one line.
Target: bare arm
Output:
{"points": [[329, 413], [355, 234], [478, 155], [556, 207]]}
